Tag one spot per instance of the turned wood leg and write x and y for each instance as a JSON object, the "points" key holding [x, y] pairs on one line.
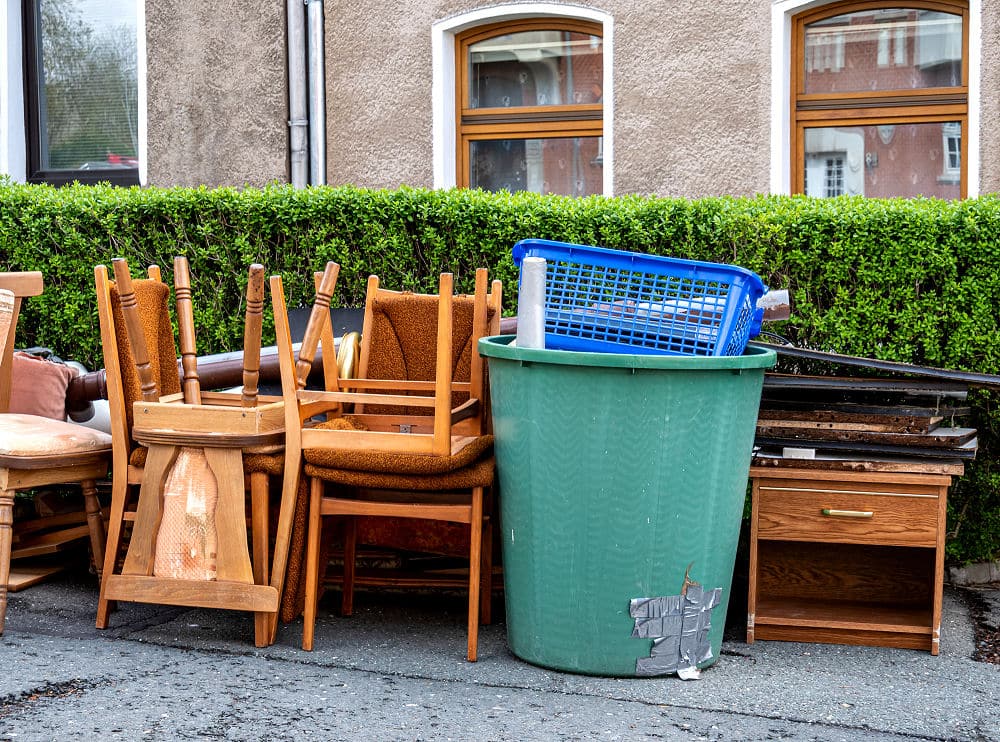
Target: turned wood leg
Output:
{"points": [[6, 539], [350, 557], [98, 536], [475, 562]]}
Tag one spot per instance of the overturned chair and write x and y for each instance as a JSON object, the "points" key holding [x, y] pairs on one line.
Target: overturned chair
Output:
{"points": [[189, 453]]}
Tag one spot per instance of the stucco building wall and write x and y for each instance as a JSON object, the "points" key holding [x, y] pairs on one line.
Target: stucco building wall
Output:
{"points": [[989, 143], [692, 93], [682, 126], [217, 103]]}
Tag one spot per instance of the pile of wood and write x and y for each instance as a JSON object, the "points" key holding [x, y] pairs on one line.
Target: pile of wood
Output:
{"points": [[864, 424], [908, 419]]}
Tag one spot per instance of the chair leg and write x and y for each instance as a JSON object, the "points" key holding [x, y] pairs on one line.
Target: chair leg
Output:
{"points": [[312, 563], [486, 578], [98, 536], [119, 494], [475, 560], [6, 539], [259, 492], [350, 556]]}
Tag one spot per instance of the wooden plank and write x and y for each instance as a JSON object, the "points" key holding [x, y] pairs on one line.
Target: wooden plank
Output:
{"points": [[24, 283], [849, 463], [23, 576], [51, 542], [774, 419], [965, 451], [930, 388], [23, 527], [853, 636], [938, 438], [846, 408], [189, 418], [237, 596], [945, 375], [232, 551], [142, 545]]}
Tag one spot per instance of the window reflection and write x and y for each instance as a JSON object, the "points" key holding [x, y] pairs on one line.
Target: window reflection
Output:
{"points": [[884, 161], [883, 49], [535, 68], [570, 166]]}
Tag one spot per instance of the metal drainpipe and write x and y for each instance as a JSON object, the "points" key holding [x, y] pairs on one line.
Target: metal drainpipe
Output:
{"points": [[317, 102], [297, 121]]}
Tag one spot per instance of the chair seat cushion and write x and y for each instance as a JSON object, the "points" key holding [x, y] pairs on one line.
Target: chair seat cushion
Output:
{"points": [[477, 474], [267, 463], [32, 435], [398, 463]]}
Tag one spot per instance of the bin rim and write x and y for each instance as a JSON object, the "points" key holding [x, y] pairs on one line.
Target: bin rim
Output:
{"points": [[499, 346]]}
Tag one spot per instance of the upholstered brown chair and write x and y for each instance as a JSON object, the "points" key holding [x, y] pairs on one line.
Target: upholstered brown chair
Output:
{"points": [[38, 451], [406, 439]]}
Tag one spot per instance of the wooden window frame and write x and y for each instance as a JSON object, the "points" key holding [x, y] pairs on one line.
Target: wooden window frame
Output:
{"points": [[521, 122], [865, 108], [31, 29]]}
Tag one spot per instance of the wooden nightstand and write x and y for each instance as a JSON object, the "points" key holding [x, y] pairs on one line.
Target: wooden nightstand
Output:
{"points": [[847, 557]]}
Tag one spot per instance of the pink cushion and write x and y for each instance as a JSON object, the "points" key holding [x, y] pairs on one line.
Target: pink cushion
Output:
{"points": [[38, 386], [31, 435]]}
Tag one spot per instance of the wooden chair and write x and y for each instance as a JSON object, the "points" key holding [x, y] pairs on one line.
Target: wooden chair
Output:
{"points": [[38, 451], [416, 445], [238, 437]]}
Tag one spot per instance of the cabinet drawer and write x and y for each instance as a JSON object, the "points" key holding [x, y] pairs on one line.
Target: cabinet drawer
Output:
{"points": [[827, 513]]}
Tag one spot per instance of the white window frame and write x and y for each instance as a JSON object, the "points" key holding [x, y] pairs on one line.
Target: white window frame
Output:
{"points": [[13, 137], [443, 35], [781, 44]]}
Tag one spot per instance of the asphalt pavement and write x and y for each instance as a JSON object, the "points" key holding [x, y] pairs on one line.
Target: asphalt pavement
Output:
{"points": [[396, 671]]}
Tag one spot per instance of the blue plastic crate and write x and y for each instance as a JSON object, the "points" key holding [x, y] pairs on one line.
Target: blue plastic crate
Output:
{"points": [[624, 302]]}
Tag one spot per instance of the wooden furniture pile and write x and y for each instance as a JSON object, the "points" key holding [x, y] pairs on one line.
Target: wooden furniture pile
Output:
{"points": [[191, 454], [849, 485]]}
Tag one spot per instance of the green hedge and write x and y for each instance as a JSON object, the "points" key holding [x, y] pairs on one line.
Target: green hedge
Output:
{"points": [[905, 280]]}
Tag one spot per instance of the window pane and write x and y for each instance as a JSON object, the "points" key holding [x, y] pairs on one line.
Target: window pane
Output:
{"points": [[571, 166], [890, 49], [884, 161], [87, 80], [535, 68]]}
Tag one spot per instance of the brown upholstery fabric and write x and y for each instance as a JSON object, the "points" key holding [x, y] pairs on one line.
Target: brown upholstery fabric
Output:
{"points": [[478, 474], [138, 456], [267, 463], [403, 334], [398, 463], [152, 297]]}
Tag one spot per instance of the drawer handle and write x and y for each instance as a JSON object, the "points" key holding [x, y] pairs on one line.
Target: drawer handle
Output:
{"points": [[848, 513]]}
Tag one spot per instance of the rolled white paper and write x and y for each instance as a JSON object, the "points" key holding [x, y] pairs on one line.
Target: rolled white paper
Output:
{"points": [[531, 304]]}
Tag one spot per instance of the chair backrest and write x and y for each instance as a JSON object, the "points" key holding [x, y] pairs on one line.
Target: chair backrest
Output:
{"points": [[151, 296], [415, 346], [20, 285], [399, 339]]}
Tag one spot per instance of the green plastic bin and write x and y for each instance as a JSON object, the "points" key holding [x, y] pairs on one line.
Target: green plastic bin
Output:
{"points": [[622, 479]]}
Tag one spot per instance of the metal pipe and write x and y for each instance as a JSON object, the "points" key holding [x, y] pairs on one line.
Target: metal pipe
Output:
{"points": [[317, 100], [297, 121]]}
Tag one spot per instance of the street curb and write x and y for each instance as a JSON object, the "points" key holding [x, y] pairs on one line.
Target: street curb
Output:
{"points": [[982, 573]]}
